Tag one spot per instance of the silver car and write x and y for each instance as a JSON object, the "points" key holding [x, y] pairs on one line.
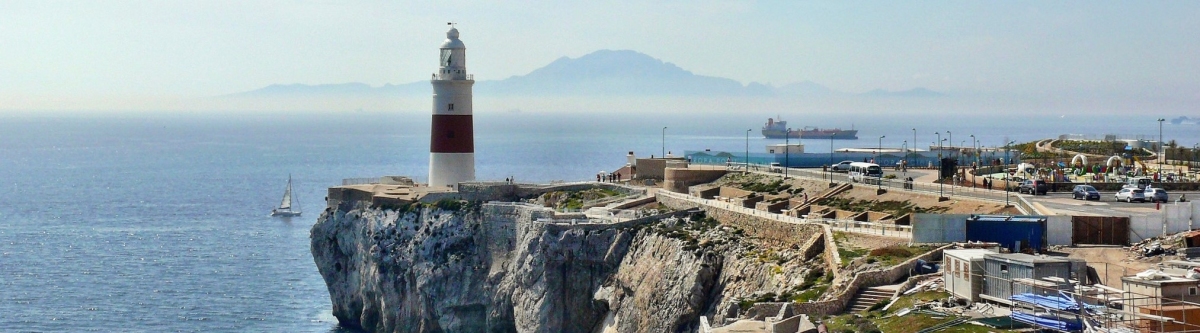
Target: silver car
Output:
{"points": [[1130, 195], [1154, 194]]}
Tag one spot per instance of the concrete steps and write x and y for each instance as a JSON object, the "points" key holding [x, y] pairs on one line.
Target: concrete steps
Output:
{"points": [[865, 298]]}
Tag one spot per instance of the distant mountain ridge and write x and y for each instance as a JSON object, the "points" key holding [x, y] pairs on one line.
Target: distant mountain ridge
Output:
{"points": [[600, 73]]}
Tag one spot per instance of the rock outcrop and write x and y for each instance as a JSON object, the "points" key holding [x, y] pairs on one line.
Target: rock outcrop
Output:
{"points": [[469, 267]]}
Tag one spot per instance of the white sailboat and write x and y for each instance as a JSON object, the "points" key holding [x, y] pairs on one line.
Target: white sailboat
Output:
{"points": [[289, 206]]}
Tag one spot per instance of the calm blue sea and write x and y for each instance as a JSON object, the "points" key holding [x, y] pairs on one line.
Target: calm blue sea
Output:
{"points": [[153, 223]]}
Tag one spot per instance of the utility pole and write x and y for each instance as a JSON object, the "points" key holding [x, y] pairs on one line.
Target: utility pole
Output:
{"points": [[1160, 147], [747, 166], [878, 154], [664, 142]]}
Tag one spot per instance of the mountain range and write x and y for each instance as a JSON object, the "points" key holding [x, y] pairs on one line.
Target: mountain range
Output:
{"points": [[600, 73]]}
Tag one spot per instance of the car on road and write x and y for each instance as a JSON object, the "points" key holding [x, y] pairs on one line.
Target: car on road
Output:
{"points": [[1033, 186], [1154, 194], [776, 168], [1130, 194], [843, 166], [1085, 192]]}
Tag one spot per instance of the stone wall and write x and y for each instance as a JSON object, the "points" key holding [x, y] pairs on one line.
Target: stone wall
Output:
{"points": [[678, 180], [773, 231], [651, 168]]}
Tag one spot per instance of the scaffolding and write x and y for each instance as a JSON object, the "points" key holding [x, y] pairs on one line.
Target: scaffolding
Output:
{"points": [[1099, 308]]}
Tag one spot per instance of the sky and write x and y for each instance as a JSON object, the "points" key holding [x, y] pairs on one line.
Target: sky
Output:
{"points": [[150, 54]]}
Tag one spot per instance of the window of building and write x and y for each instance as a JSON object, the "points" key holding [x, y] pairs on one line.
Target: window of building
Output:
{"points": [[451, 107], [1192, 291], [1003, 268]]}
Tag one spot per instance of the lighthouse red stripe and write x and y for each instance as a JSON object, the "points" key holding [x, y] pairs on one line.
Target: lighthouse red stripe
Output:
{"points": [[452, 134]]}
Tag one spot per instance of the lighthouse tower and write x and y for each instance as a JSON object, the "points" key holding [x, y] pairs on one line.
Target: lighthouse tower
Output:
{"points": [[452, 144]]}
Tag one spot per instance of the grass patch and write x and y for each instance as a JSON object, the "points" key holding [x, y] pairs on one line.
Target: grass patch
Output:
{"points": [[911, 323], [897, 254]]}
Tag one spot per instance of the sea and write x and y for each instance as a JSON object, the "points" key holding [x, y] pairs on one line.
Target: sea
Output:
{"points": [[158, 221]]}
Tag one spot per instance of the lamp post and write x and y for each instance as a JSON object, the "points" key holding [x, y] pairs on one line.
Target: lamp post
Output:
{"points": [[878, 154], [1006, 149], [914, 139], [939, 160], [786, 150], [664, 142], [747, 166], [950, 136], [974, 167], [1160, 147], [831, 158]]}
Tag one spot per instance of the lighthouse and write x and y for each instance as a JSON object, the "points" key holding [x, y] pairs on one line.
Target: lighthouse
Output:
{"points": [[452, 138]]}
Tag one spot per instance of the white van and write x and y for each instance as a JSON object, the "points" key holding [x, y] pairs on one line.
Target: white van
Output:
{"points": [[863, 172], [776, 168]]}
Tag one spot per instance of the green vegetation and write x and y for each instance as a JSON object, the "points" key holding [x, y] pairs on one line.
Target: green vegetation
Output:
{"points": [[893, 255], [816, 283], [574, 200], [896, 208], [876, 320]]}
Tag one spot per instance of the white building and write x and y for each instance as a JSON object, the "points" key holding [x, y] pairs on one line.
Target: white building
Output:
{"points": [[963, 272], [452, 138]]}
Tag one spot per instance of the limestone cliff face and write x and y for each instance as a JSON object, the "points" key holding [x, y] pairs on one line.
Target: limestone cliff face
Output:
{"points": [[495, 268]]}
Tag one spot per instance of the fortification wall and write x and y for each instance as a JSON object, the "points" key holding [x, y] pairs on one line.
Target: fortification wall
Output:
{"points": [[678, 180]]}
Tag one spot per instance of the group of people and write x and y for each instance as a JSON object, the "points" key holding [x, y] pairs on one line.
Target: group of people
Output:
{"points": [[609, 178]]}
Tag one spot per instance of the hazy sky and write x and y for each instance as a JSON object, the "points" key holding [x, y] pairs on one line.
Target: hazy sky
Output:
{"points": [[68, 54]]}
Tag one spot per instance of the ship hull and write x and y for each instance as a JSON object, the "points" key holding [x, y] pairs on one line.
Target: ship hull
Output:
{"points": [[827, 135]]}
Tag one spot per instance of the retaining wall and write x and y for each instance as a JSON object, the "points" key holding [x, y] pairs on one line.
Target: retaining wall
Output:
{"points": [[866, 279]]}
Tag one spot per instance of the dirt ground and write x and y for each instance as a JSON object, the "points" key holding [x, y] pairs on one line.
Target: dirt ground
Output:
{"points": [[1110, 262]]}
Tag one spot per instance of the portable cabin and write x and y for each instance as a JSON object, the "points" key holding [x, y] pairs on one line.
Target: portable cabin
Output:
{"points": [[963, 272], [1016, 233], [1022, 273]]}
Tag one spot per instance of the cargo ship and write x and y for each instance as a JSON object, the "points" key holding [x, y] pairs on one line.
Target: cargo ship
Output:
{"points": [[778, 130]]}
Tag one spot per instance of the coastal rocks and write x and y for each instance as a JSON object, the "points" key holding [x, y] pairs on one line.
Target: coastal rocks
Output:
{"points": [[497, 268]]}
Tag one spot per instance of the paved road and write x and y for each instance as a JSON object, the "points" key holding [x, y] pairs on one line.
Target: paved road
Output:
{"points": [[1063, 203], [1060, 202]]}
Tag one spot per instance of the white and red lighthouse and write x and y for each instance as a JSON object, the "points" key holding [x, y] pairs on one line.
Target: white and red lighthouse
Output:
{"points": [[452, 144]]}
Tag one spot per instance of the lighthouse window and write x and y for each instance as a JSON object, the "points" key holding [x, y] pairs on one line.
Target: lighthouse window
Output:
{"points": [[451, 107]]}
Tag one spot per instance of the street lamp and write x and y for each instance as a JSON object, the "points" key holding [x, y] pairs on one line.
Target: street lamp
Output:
{"points": [[831, 158], [664, 142], [914, 142], [878, 154], [975, 166], [786, 151], [1006, 149], [940, 182], [747, 166], [951, 142], [1160, 147]]}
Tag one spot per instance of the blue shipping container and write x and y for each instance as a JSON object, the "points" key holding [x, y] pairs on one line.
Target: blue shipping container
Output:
{"points": [[1012, 232]]}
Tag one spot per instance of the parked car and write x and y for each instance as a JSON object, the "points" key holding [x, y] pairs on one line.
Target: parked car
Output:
{"points": [[1085, 192], [1033, 186], [1154, 194], [843, 166], [776, 168], [1130, 194]]}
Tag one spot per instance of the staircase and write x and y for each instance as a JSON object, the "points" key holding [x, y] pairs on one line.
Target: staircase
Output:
{"points": [[865, 298]]}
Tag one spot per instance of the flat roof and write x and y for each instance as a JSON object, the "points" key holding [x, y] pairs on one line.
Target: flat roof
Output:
{"points": [[1159, 282], [1026, 258], [968, 254]]}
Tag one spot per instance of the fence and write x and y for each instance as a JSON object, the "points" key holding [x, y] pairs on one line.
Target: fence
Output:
{"points": [[942, 190]]}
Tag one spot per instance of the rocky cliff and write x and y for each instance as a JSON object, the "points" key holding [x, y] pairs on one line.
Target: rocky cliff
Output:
{"points": [[465, 267]]}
